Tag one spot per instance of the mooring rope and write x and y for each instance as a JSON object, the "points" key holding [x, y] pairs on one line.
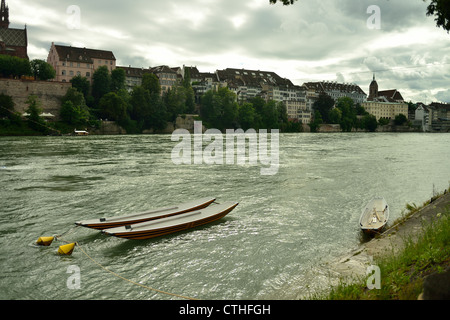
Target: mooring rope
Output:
{"points": [[123, 278]]}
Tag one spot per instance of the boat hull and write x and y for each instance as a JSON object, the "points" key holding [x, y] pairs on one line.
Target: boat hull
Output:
{"points": [[374, 216], [114, 222], [165, 226]]}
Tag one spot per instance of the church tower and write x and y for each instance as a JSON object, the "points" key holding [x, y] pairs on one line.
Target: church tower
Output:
{"points": [[373, 89], [4, 15]]}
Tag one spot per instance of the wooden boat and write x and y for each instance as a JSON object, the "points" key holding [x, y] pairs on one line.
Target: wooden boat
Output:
{"points": [[80, 133], [165, 226], [112, 222], [374, 216]]}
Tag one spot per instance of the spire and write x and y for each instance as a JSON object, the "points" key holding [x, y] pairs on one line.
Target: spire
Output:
{"points": [[4, 15], [374, 77]]}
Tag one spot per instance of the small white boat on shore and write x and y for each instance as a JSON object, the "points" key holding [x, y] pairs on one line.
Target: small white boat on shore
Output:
{"points": [[375, 216]]}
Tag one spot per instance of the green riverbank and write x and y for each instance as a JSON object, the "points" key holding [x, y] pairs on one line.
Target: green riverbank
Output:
{"points": [[414, 249]]}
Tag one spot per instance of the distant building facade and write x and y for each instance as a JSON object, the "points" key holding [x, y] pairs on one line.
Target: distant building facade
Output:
{"points": [[69, 61], [13, 42], [386, 110], [337, 90], [392, 95]]}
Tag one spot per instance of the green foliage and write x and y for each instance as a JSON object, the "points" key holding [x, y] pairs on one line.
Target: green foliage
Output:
{"points": [[369, 122], [74, 110], [400, 119], [35, 121], [42, 70], [14, 66], [441, 10], [6, 106], [324, 104], [113, 107], [347, 107], [81, 84], [118, 78], [335, 116], [101, 83], [219, 109], [383, 121], [316, 122], [247, 114], [285, 2], [150, 82]]}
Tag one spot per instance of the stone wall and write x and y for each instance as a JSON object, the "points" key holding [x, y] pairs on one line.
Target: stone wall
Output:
{"points": [[49, 94]]}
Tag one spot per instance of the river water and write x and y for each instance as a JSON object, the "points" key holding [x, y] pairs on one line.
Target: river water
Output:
{"points": [[284, 226]]}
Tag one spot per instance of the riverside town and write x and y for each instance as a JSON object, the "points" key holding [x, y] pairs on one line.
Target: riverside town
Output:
{"points": [[225, 155], [82, 91]]}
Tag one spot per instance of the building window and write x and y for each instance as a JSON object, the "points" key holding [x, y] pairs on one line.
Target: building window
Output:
{"points": [[71, 73], [63, 72], [88, 74]]}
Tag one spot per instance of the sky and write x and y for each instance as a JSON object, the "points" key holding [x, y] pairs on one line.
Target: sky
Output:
{"points": [[314, 40]]}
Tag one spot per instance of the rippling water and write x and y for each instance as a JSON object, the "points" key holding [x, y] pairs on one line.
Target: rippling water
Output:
{"points": [[264, 249]]}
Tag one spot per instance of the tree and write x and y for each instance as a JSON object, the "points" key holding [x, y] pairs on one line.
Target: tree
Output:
{"points": [[74, 115], [6, 106], [81, 84], [118, 78], [219, 109], [441, 10], [73, 109], [101, 83], [324, 104], [400, 119], [369, 122], [315, 124], [246, 116], [14, 67], [42, 70], [35, 121], [285, 2], [175, 101], [150, 82], [113, 107], [335, 116], [347, 107]]}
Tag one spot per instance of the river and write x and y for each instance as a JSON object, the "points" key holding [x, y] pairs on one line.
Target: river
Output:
{"points": [[285, 224]]}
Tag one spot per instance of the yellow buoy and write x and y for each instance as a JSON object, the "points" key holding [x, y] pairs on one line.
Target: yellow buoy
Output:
{"points": [[45, 241], [66, 249]]}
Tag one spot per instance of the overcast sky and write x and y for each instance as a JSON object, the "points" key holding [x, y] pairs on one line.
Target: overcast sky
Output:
{"points": [[313, 40]]}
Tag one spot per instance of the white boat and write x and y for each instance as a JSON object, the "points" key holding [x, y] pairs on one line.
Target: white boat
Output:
{"points": [[165, 226], [104, 223], [80, 133], [375, 216]]}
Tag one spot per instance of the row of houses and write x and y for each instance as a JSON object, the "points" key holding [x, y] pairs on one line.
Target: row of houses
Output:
{"points": [[434, 117], [71, 61]]}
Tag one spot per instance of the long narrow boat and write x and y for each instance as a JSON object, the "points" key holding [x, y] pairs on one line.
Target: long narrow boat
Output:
{"points": [[165, 226], [113, 222], [374, 216]]}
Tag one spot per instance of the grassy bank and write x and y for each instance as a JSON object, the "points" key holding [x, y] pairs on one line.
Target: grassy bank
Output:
{"points": [[402, 274]]}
